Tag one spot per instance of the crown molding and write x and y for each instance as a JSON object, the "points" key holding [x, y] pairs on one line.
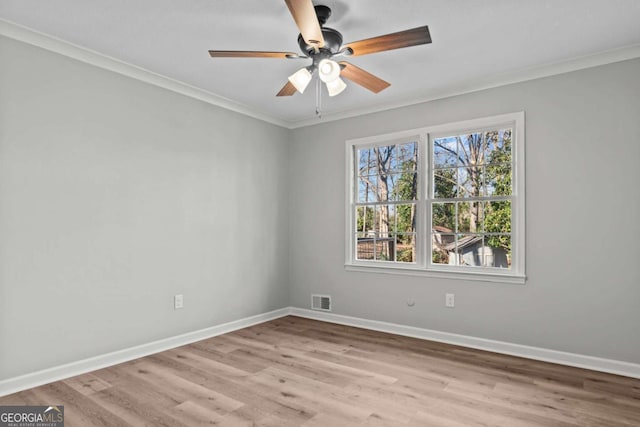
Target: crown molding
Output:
{"points": [[88, 56], [53, 44]]}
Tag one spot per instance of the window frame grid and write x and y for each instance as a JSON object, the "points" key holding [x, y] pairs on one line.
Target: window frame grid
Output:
{"points": [[422, 265], [382, 141], [431, 199]]}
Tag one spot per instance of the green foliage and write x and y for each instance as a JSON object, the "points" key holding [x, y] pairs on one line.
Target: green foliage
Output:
{"points": [[406, 189], [405, 218], [365, 215], [405, 255], [439, 258], [444, 214], [498, 220], [498, 214]]}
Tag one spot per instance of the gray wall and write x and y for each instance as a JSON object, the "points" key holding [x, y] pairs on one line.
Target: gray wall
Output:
{"points": [[582, 208], [114, 196]]}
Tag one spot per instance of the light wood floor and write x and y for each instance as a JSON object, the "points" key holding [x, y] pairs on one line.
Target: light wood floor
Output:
{"points": [[294, 371]]}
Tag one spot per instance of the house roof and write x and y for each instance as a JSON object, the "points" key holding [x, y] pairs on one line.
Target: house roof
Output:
{"points": [[441, 229], [464, 242]]}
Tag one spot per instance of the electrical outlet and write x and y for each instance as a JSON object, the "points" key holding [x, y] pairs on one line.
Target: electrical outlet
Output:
{"points": [[450, 300], [178, 301]]}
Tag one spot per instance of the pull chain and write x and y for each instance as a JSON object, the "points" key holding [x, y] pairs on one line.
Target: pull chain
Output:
{"points": [[318, 98]]}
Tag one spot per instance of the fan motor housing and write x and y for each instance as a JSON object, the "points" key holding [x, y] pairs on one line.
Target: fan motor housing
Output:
{"points": [[332, 42]]}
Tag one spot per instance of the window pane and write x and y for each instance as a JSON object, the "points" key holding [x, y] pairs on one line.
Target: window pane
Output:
{"points": [[443, 217], [439, 256], [498, 146], [384, 247], [469, 249], [401, 186], [377, 246], [393, 218], [405, 218], [498, 179], [445, 183], [486, 256], [388, 173], [367, 189], [497, 217], [499, 171], [404, 158], [386, 233], [386, 187], [445, 152], [470, 216], [366, 162], [406, 247], [364, 247], [365, 220], [471, 182], [384, 218], [498, 249], [443, 244], [471, 149]]}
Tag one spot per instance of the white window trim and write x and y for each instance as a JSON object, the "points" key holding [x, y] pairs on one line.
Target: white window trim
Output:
{"points": [[423, 267]]}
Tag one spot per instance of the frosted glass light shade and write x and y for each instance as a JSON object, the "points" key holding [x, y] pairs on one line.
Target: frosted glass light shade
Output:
{"points": [[336, 86], [300, 79], [328, 70]]}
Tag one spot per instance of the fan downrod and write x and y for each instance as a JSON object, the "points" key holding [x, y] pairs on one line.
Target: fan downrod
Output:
{"points": [[323, 13]]}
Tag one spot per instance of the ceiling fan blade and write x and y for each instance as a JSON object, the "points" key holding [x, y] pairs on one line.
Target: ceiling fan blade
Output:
{"points": [[363, 78], [287, 90], [251, 54], [413, 37], [304, 14]]}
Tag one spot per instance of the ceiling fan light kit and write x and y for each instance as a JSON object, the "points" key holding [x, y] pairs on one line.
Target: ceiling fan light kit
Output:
{"points": [[300, 79], [321, 44], [328, 70], [335, 87]]}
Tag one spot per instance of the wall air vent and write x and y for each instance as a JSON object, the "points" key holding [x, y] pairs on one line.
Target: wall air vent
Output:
{"points": [[321, 302]]}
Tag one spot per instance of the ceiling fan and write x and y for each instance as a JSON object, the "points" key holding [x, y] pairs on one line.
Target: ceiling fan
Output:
{"points": [[322, 44]]}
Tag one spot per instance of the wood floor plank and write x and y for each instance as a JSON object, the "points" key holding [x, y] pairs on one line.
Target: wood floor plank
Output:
{"points": [[308, 393], [294, 372], [183, 390], [124, 406], [87, 384], [235, 386], [90, 413]]}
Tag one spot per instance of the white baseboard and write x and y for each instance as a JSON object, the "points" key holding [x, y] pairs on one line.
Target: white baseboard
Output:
{"points": [[563, 358], [23, 382]]}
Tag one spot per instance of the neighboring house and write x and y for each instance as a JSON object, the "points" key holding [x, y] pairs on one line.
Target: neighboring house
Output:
{"points": [[472, 251], [442, 236]]}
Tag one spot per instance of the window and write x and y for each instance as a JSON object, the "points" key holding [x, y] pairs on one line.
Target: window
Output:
{"points": [[445, 200], [386, 202]]}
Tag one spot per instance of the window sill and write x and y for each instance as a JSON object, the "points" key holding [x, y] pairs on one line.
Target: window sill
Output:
{"points": [[420, 272]]}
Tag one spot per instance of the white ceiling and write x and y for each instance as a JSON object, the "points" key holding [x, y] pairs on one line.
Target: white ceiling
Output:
{"points": [[475, 43]]}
